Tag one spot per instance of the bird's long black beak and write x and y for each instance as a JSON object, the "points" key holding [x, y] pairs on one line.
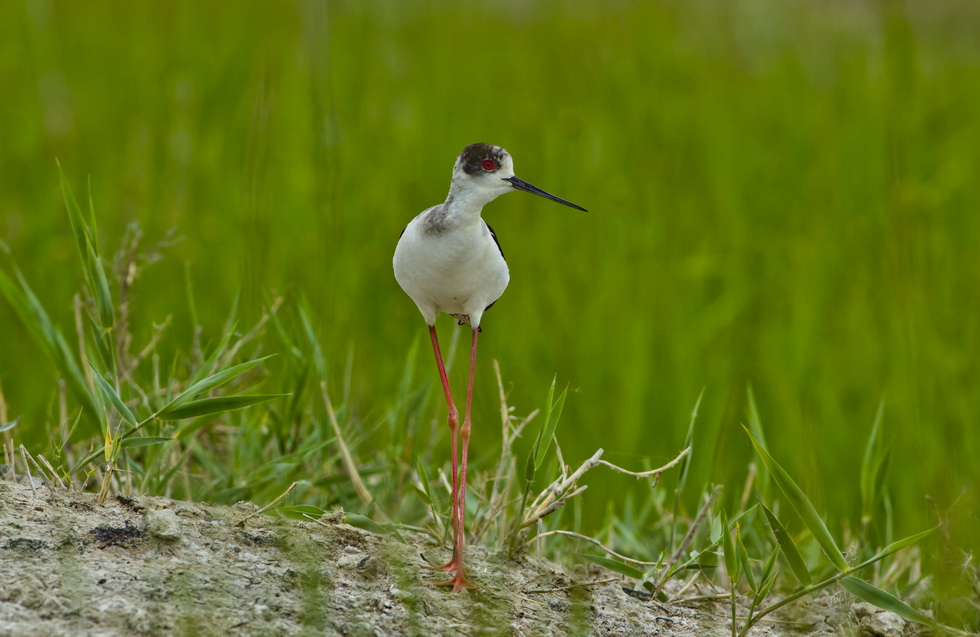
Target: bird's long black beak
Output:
{"points": [[520, 184]]}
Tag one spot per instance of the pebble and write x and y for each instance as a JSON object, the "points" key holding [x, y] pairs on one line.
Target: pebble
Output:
{"points": [[163, 524]]}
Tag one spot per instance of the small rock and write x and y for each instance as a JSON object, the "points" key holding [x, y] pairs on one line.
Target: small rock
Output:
{"points": [[163, 524], [875, 622], [31, 481], [245, 506]]}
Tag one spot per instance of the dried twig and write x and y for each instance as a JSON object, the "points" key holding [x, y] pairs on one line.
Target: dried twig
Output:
{"points": [[575, 585], [554, 496], [596, 542], [688, 538], [349, 464], [271, 505]]}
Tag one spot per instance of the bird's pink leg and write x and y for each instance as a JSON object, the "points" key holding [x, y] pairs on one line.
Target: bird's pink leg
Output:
{"points": [[459, 581], [453, 419], [460, 574]]}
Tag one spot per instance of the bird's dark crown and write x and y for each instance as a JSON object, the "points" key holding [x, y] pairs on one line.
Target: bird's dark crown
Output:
{"points": [[471, 159]]}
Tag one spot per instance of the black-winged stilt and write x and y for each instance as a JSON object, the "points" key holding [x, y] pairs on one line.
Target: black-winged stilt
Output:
{"points": [[448, 260]]}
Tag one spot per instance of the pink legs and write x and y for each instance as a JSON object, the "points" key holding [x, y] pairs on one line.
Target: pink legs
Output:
{"points": [[455, 564]]}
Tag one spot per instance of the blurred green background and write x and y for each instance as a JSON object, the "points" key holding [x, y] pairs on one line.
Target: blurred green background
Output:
{"points": [[782, 194]]}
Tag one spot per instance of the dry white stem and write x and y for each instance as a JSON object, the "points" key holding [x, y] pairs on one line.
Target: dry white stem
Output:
{"points": [[592, 540], [328, 518], [3, 414], [54, 474], [349, 464], [564, 482], [106, 482], [561, 459], [537, 515], [554, 496], [653, 472], [8, 438], [10, 458], [62, 409], [682, 547], [718, 597], [27, 467], [506, 439], [502, 481], [688, 538], [687, 585], [504, 409], [577, 585], [442, 479], [271, 505]]}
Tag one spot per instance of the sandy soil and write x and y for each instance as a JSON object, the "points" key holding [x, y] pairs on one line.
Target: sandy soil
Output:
{"points": [[152, 566]]}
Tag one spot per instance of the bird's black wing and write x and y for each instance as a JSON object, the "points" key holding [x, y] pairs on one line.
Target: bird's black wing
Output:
{"points": [[493, 235]]}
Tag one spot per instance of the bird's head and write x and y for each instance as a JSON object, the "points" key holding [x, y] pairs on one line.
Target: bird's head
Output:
{"points": [[486, 171]]}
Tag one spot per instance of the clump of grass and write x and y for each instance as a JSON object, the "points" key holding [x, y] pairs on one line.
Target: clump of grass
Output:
{"points": [[767, 567], [738, 564], [134, 417], [764, 564], [509, 512]]}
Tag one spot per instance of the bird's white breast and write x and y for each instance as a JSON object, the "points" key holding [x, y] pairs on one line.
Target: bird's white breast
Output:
{"points": [[455, 270]]}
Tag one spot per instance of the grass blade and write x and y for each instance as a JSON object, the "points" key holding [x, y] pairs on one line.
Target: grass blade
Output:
{"points": [[728, 549], [366, 523], [423, 486], [228, 332], [109, 392], [755, 425], [743, 557], [689, 444], [36, 320], [88, 251], [901, 544], [302, 510], [422, 495], [218, 404], [684, 469], [802, 504], [885, 600], [768, 578], [143, 441], [615, 566], [206, 385], [318, 359], [10, 425], [874, 469], [755, 422], [790, 551], [551, 415]]}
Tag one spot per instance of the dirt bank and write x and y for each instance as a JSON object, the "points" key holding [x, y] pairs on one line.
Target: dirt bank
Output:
{"points": [[146, 566]]}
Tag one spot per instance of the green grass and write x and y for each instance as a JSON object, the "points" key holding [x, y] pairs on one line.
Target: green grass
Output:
{"points": [[782, 196]]}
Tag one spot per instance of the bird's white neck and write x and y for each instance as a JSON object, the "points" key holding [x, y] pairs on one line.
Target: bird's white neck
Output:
{"points": [[465, 204]]}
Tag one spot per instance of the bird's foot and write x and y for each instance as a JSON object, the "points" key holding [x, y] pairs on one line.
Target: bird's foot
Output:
{"points": [[458, 581], [448, 567], [454, 564]]}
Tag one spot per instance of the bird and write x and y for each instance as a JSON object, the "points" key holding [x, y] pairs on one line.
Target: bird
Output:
{"points": [[448, 260]]}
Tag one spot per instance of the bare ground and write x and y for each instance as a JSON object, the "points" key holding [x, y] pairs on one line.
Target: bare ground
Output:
{"points": [[153, 566]]}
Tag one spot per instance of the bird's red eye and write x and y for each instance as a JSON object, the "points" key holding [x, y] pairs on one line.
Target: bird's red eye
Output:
{"points": [[489, 164]]}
